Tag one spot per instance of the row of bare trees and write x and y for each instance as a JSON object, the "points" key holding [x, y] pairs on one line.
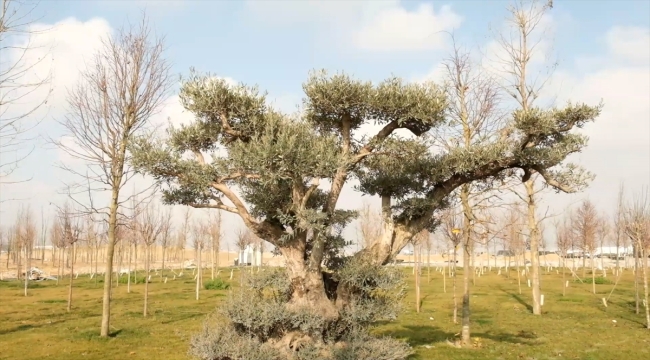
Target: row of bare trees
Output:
{"points": [[582, 233]]}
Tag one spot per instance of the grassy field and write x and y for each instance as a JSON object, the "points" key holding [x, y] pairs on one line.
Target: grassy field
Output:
{"points": [[576, 326]]}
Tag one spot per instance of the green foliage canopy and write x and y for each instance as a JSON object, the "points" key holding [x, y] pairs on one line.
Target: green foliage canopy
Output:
{"points": [[270, 168]]}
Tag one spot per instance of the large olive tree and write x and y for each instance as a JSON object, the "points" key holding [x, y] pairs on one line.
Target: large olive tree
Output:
{"points": [[283, 176]]}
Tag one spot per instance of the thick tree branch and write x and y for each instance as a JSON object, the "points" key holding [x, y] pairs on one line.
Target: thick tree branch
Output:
{"points": [[227, 128], [310, 190], [215, 206], [238, 175], [385, 132], [552, 182]]}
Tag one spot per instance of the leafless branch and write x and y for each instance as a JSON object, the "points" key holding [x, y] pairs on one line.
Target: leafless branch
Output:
{"points": [[20, 84]]}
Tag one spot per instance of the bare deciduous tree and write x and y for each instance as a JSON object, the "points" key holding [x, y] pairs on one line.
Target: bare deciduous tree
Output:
{"points": [[18, 81], [474, 116], [200, 232], [451, 223], [637, 227], [71, 232], [419, 240], [125, 85], [619, 224], [165, 237], [563, 241], [133, 236], [150, 225], [215, 239], [244, 238], [183, 234], [585, 227], [94, 242], [25, 236], [57, 239], [369, 225], [525, 19], [602, 233], [514, 240]]}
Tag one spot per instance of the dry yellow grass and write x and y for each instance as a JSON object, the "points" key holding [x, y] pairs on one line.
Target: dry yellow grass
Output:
{"points": [[576, 326]]}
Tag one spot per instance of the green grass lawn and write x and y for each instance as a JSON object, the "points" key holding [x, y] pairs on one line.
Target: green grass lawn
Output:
{"points": [[576, 326]]}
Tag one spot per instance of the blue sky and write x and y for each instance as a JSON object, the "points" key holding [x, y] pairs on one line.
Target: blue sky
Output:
{"points": [[603, 49], [226, 38]]}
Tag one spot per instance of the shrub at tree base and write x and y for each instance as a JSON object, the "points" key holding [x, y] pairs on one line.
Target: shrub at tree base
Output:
{"points": [[262, 324], [216, 284]]}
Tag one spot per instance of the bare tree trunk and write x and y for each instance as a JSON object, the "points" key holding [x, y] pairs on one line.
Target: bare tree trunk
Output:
{"points": [[593, 275], [444, 280], [146, 279], [96, 260], [110, 251], [198, 275], [120, 264], [487, 251], [465, 330], [135, 262], [59, 272], [162, 270], [473, 262], [43, 231], [534, 246], [645, 288], [26, 267], [428, 265], [71, 279], [417, 253], [636, 279], [564, 277], [454, 288], [467, 253], [212, 259], [128, 280], [9, 252], [19, 265], [518, 273]]}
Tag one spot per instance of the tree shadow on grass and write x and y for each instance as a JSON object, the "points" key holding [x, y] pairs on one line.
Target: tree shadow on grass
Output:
{"points": [[628, 309], [93, 334], [25, 327], [183, 317], [519, 299], [426, 335]]}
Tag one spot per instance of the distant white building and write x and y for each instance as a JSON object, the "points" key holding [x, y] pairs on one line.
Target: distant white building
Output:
{"points": [[613, 251], [250, 255]]}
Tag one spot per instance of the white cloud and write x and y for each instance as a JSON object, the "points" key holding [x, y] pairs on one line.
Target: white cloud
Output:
{"points": [[56, 50], [397, 29], [437, 74], [173, 113], [289, 13], [367, 25], [68, 44], [630, 43]]}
